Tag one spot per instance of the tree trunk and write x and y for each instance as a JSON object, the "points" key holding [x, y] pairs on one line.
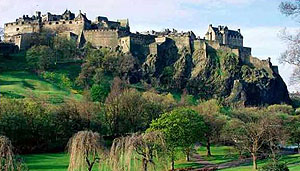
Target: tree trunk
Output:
{"points": [[173, 165], [208, 147], [188, 156], [254, 161], [145, 165]]}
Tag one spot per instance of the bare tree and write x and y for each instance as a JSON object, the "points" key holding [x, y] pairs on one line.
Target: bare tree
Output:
{"points": [[144, 149], [1, 33], [252, 131], [292, 54], [85, 149], [6, 154], [290, 8]]}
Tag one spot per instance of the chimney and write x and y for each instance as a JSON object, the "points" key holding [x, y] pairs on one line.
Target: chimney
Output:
{"points": [[79, 11], [239, 30], [38, 14], [220, 27], [210, 25]]}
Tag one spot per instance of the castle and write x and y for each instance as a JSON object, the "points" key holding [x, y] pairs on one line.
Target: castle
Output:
{"points": [[116, 34]]}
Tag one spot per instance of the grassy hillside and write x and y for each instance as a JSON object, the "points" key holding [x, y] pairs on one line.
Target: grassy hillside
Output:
{"points": [[17, 82], [20, 84], [60, 161]]}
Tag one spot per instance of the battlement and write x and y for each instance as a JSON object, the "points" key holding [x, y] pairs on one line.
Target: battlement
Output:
{"points": [[102, 30]]}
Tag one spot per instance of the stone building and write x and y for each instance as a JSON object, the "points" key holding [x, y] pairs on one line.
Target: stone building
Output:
{"points": [[223, 35], [100, 32], [116, 34]]}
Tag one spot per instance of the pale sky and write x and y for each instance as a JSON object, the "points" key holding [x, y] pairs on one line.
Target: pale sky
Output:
{"points": [[259, 20]]}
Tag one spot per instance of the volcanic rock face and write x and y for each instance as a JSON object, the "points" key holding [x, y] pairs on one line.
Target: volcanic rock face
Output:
{"points": [[216, 73]]}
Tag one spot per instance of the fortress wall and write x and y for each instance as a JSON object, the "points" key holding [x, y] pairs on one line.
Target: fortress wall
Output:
{"points": [[102, 38], [198, 44], [262, 64], [182, 42], [15, 28], [153, 48], [64, 26], [235, 41], [124, 43], [140, 44]]}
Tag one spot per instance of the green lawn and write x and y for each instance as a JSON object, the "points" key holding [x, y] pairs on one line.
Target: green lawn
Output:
{"points": [[19, 84], [220, 154], [43, 162], [293, 162]]}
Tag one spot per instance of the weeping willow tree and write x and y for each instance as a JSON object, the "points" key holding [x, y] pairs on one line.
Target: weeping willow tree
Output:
{"points": [[85, 149], [6, 154], [138, 152]]}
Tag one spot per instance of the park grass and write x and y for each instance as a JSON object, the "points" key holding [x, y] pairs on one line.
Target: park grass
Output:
{"points": [[43, 162], [60, 161], [293, 162], [220, 154], [21, 84]]}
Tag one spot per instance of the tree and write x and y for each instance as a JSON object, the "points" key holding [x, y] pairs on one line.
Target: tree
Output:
{"points": [[99, 92], [294, 129], [40, 58], [64, 48], [85, 149], [148, 148], [214, 121], [252, 129], [181, 128], [1, 33], [6, 154], [292, 54]]}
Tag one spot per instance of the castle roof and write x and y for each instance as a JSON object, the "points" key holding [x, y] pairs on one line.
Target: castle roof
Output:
{"points": [[233, 33]]}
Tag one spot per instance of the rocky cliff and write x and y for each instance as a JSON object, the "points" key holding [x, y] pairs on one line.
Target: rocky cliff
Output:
{"points": [[215, 73]]}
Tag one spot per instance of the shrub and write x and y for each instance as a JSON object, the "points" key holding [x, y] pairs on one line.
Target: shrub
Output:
{"points": [[99, 92], [59, 79], [281, 108], [40, 58], [36, 127], [275, 166]]}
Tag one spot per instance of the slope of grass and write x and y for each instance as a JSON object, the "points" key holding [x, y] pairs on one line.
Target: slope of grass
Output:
{"points": [[43, 162], [19, 84], [220, 154], [293, 162]]}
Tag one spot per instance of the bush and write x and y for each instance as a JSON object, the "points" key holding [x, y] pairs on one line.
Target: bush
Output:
{"points": [[100, 92], [40, 58], [275, 166], [36, 127], [60, 80], [281, 108]]}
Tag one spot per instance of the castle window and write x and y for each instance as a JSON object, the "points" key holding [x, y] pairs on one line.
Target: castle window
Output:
{"points": [[22, 22], [50, 23], [64, 22], [17, 29], [56, 23], [12, 24], [70, 22], [29, 22]]}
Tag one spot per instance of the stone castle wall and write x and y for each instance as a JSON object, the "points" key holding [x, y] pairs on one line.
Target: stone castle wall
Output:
{"points": [[75, 27], [16, 28], [102, 38]]}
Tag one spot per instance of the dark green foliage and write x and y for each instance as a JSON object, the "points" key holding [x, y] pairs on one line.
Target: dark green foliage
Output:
{"points": [[275, 166], [65, 49], [40, 58], [99, 92], [61, 80], [38, 127], [181, 128]]}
